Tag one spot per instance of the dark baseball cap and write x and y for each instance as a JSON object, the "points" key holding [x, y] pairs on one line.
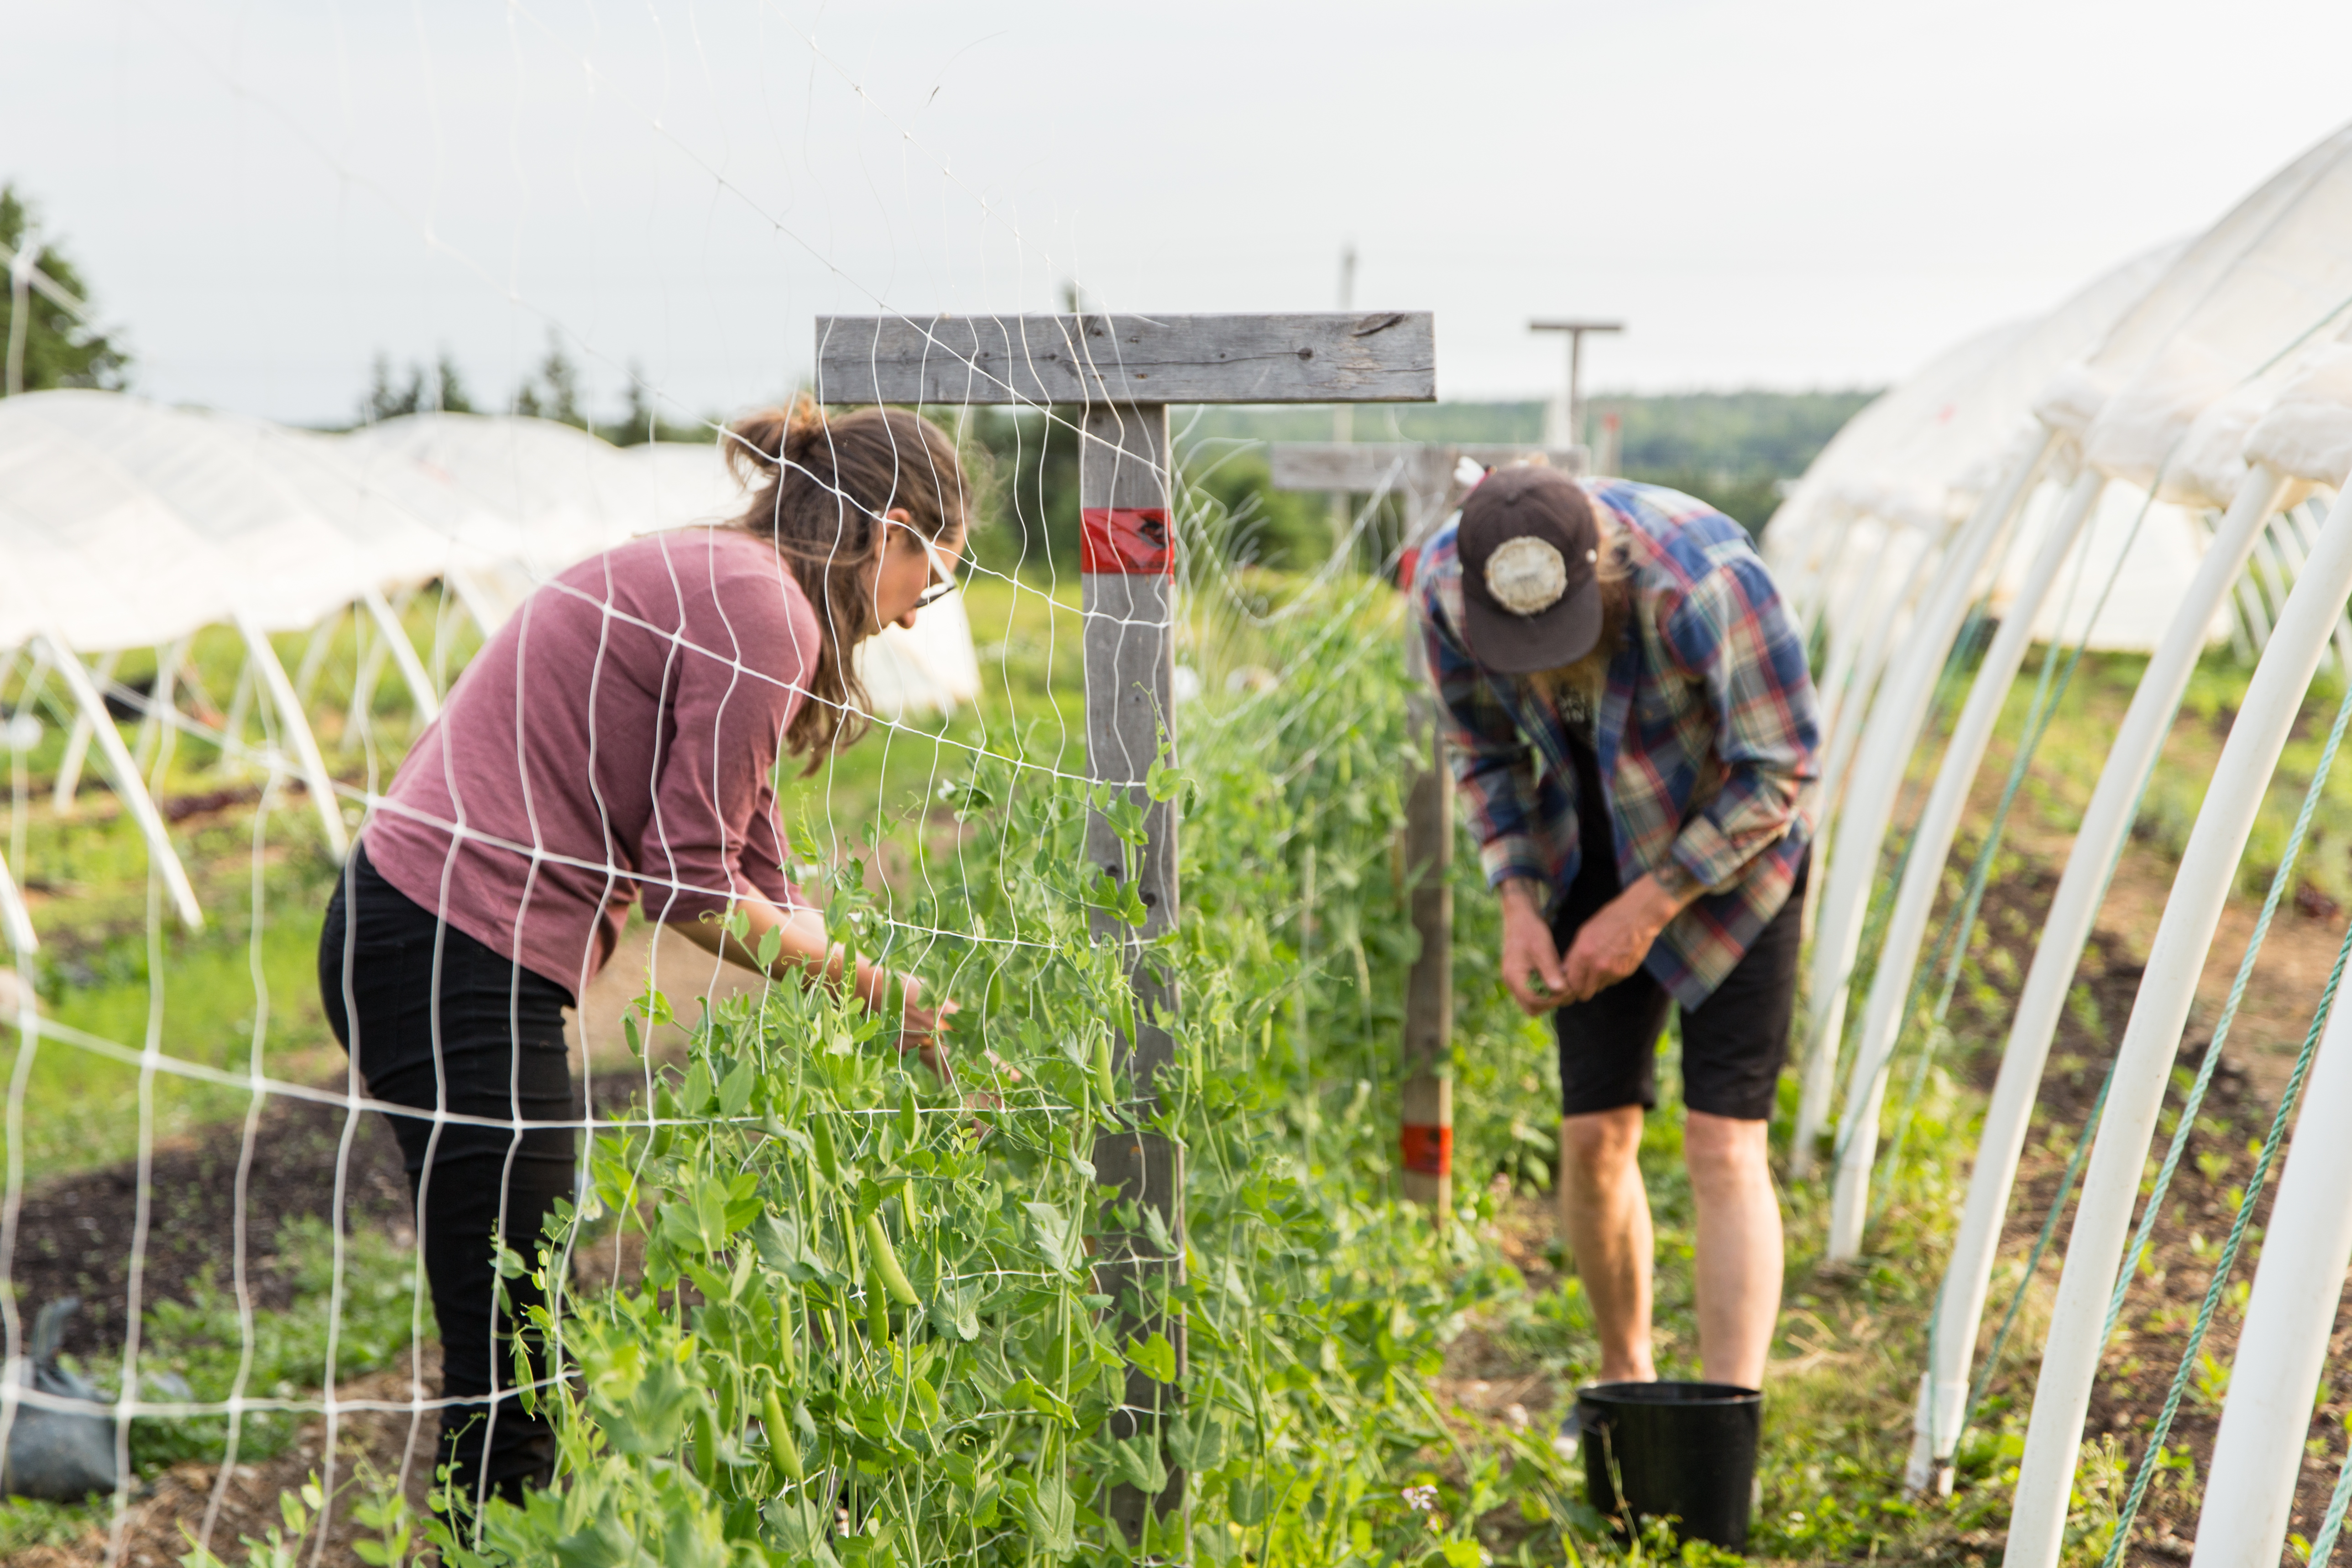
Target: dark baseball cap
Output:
{"points": [[1529, 547]]}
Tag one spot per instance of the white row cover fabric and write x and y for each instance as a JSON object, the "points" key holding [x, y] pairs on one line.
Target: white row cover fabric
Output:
{"points": [[1921, 455], [123, 523], [2273, 275], [2149, 557], [293, 535]]}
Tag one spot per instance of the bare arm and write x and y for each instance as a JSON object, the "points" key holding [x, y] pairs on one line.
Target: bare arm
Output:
{"points": [[803, 955]]}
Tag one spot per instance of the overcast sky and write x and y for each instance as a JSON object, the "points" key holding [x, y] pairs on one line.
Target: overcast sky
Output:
{"points": [[1787, 193]]}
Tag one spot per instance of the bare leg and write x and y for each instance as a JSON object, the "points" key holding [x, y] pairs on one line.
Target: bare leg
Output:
{"points": [[1738, 1270], [1604, 1216]]}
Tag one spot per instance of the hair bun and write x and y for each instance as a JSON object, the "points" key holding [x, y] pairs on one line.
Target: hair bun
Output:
{"points": [[764, 440], [804, 427]]}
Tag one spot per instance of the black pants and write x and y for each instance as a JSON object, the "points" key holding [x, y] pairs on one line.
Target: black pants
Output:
{"points": [[488, 1040]]}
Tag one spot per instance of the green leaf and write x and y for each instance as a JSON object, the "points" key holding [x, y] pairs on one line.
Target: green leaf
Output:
{"points": [[603, 1544], [1052, 1514], [735, 1092], [1137, 1462], [1050, 1227], [1196, 1440], [651, 1417], [1155, 1355], [960, 1314], [1028, 1391], [777, 1239], [802, 1529]]}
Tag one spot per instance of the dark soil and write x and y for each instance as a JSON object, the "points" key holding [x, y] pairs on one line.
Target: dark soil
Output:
{"points": [[74, 1233]]}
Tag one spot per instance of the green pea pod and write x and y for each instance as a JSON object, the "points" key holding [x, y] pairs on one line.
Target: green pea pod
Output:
{"points": [[910, 1117], [706, 1447], [1106, 1083], [784, 1452], [665, 1112], [878, 1310], [821, 1134], [788, 1351], [907, 1203], [886, 1262]]}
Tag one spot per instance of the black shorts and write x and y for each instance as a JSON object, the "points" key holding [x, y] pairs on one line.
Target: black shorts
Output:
{"points": [[1733, 1043]]}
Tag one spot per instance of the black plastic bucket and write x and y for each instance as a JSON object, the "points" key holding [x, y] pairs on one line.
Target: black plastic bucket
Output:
{"points": [[1687, 1449]]}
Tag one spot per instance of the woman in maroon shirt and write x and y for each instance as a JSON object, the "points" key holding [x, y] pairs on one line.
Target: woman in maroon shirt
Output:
{"points": [[615, 743]]}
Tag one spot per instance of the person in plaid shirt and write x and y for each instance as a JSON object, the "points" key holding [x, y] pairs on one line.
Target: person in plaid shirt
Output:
{"points": [[1636, 735]]}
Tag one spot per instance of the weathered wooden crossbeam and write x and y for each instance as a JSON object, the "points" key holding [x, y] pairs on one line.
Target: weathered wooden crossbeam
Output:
{"points": [[1121, 372], [1377, 356]]}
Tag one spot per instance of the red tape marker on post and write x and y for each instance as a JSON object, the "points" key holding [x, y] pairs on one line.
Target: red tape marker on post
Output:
{"points": [[1428, 1151], [1125, 542]]}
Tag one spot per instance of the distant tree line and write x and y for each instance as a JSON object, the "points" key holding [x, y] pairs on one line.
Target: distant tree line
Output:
{"points": [[57, 350], [1735, 450], [552, 391]]}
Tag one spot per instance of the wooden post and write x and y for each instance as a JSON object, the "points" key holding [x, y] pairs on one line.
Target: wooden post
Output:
{"points": [[1127, 596], [1425, 1107], [1122, 373], [1425, 474]]}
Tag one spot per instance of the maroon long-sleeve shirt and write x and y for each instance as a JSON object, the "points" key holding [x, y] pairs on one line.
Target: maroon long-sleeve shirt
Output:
{"points": [[616, 738]]}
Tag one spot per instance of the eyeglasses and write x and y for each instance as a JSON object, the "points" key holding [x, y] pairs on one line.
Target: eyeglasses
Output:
{"points": [[943, 565]]}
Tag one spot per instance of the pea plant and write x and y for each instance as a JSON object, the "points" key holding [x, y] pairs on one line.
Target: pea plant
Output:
{"points": [[868, 1332]]}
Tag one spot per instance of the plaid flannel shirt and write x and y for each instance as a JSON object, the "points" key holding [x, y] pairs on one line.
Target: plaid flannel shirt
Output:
{"points": [[1707, 734]]}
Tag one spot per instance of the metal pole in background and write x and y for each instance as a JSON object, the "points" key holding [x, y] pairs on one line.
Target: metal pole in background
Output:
{"points": [[1573, 409]]}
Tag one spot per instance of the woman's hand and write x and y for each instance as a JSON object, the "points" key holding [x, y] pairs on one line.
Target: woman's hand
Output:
{"points": [[802, 953], [921, 1027]]}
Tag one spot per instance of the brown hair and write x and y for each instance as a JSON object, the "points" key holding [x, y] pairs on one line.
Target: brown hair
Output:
{"points": [[820, 488]]}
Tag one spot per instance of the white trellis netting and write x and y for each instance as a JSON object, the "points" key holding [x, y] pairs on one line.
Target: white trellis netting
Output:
{"points": [[2219, 388]]}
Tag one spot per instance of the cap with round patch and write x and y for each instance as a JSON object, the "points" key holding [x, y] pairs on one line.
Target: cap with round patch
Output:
{"points": [[1529, 547]]}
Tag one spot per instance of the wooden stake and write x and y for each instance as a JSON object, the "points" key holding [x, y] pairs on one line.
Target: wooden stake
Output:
{"points": [[1425, 1114], [1424, 475], [1127, 596]]}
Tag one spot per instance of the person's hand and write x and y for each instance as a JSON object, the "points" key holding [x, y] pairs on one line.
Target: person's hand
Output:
{"points": [[1611, 945], [919, 1028], [1531, 966]]}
